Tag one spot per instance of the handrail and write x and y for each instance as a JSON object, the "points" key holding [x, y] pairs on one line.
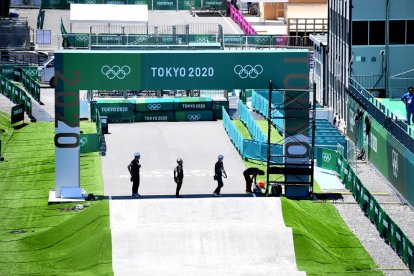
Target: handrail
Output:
{"points": [[398, 128]]}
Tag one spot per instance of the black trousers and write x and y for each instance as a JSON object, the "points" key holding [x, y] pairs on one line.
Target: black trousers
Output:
{"points": [[249, 182], [179, 184], [219, 186], [135, 185]]}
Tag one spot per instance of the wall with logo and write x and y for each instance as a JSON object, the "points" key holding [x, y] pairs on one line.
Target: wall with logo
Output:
{"points": [[393, 160], [136, 70], [388, 155]]}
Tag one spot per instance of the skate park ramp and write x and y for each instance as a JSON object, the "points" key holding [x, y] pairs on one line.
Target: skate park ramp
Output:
{"points": [[201, 236]]}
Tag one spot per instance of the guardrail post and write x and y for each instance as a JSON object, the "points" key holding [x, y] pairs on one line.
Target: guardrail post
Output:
{"points": [[221, 35], [187, 34], [90, 37]]}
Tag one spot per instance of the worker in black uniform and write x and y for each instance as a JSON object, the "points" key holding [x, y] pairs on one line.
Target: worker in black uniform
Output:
{"points": [[178, 177], [133, 169], [219, 173], [250, 176]]}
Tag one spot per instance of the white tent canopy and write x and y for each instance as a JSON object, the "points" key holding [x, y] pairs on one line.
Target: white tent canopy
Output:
{"points": [[108, 13]]}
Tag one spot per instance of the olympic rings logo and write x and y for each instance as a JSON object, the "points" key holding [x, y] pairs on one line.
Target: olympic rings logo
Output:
{"points": [[248, 71], [115, 71], [154, 106], [326, 157], [194, 117], [261, 40], [82, 38], [187, 3], [90, 2], [54, 2], [202, 39], [83, 141], [140, 2]]}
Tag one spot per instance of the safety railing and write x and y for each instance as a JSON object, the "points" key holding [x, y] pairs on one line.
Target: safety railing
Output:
{"points": [[264, 41], [251, 149], [31, 84], [239, 19], [234, 134], [398, 128], [261, 105], [250, 123], [386, 227], [370, 81], [16, 94]]}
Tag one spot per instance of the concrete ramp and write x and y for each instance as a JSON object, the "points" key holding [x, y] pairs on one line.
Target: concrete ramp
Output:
{"points": [[203, 236]]}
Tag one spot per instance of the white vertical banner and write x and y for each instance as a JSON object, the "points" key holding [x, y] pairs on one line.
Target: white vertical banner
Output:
{"points": [[67, 152]]}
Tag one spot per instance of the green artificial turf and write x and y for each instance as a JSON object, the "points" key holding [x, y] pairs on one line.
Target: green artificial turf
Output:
{"points": [[87, 127], [324, 245], [275, 138], [242, 129], [51, 241]]}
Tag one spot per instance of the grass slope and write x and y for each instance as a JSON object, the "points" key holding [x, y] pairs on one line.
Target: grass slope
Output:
{"points": [[54, 241], [324, 245], [323, 242], [275, 136]]}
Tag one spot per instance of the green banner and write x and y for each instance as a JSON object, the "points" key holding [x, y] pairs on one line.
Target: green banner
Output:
{"points": [[392, 159], [55, 4], [136, 70], [141, 2], [326, 159], [215, 4], [200, 115], [155, 104], [17, 113], [7, 71], [89, 142], [217, 108], [116, 112], [193, 103], [165, 4], [154, 116]]}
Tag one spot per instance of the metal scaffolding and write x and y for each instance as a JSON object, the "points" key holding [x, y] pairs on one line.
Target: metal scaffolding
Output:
{"points": [[296, 166]]}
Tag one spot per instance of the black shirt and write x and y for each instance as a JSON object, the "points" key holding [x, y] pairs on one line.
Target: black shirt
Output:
{"points": [[251, 171], [135, 168], [218, 168], [179, 172]]}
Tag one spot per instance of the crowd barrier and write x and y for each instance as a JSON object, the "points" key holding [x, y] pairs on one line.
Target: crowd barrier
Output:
{"points": [[30, 83], [16, 94], [91, 142], [387, 228], [261, 105], [85, 40], [248, 148], [250, 123]]}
